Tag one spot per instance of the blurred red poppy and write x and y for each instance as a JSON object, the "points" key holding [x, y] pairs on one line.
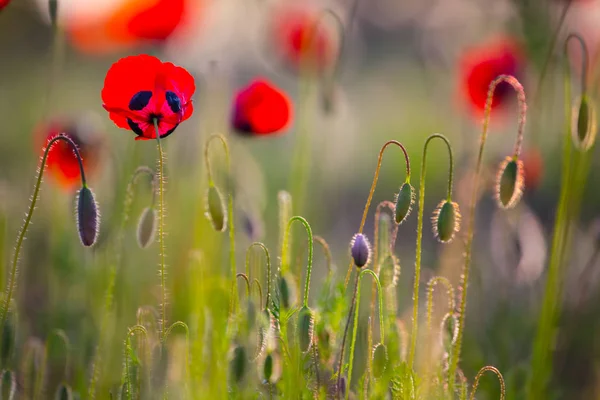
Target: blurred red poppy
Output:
{"points": [[61, 164], [261, 109], [482, 64], [302, 38], [3, 3], [139, 90], [129, 23], [533, 163]]}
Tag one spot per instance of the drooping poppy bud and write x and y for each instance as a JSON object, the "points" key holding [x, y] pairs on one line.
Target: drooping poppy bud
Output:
{"points": [[88, 217], [446, 221], [510, 182], [584, 124], [380, 360], [215, 209], [360, 249], [146, 229], [389, 272], [238, 364], [403, 203], [305, 328]]}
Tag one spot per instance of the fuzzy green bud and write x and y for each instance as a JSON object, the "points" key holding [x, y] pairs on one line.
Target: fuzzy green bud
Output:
{"points": [[215, 209], [271, 367], [305, 328], [146, 229], [510, 182], [404, 202], [88, 217], [63, 392], [238, 364], [584, 124], [446, 221], [287, 291], [380, 360]]}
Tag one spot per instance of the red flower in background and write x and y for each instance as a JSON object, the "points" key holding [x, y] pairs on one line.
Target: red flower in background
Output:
{"points": [[3, 3], [533, 163], [129, 23], [482, 64], [260, 109], [141, 89], [301, 36], [61, 164]]}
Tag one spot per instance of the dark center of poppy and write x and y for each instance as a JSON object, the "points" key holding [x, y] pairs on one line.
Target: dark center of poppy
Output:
{"points": [[140, 100], [173, 101]]}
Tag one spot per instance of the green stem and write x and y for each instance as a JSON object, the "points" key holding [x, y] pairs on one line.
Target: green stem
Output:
{"points": [[480, 374], [268, 257], [12, 280], [161, 232], [136, 329], [474, 194], [245, 277], [284, 200], [221, 138], [372, 191], [310, 252], [415, 314], [260, 292], [341, 362], [355, 328], [584, 59]]}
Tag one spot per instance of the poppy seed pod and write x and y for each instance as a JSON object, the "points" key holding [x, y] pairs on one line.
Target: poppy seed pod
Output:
{"points": [[446, 221], [360, 249], [238, 363], [584, 124], [403, 203], [215, 209], [88, 217], [380, 360], [389, 271], [305, 328], [146, 229], [510, 182]]}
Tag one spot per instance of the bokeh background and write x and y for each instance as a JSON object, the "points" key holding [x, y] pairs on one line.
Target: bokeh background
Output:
{"points": [[407, 69]]}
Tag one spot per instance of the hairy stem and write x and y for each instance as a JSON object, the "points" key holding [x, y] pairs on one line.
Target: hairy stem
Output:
{"points": [[161, 233], [480, 374], [310, 252], [268, 258]]}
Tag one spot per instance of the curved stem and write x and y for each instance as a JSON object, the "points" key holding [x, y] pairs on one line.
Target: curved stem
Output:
{"points": [[161, 232], [310, 252], [372, 191], [12, 280], [245, 277], [478, 377], [183, 325], [449, 291], [284, 201], [223, 141], [584, 58], [474, 191], [381, 332], [415, 314], [260, 293], [268, 257], [341, 362], [134, 330], [326, 252]]}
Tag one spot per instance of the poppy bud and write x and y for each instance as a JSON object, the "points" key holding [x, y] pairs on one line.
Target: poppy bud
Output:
{"points": [[63, 392], [238, 363], [510, 182], [584, 124], [404, 201], [88, 218], [380, 360], [389, 271], [215, 209], [287, 291], [360, 249], [146, 227], [305, 328], [446, 221], [271, 368]]}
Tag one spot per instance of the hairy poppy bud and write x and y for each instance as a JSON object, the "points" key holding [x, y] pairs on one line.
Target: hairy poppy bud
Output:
{"points": [[88, 218], [215, 209], [146, 228], [63, 392], [305, 328], [238, 363], [380, 360], [287, 291], [404, 201], [389, 271], [584, 124], [271, 367], [510, 182], [360, 249], [446, 221]]}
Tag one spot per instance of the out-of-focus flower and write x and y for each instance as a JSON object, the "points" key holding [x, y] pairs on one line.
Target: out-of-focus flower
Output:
{"points": [[302, 37], [139, 90], [105, 26], [260, 109], [62, 165], [482, 64], [3, 3]]}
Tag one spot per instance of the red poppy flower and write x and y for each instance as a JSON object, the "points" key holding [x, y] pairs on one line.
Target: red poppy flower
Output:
{"points": [[481, 65], [3, 3], [261, 108], [141, 89], [61, 164], [130, 22], [302, 38]]}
